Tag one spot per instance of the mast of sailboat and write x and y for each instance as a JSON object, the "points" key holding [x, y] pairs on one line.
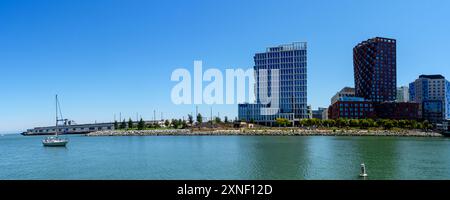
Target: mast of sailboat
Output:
{"points": [[56, 127]]}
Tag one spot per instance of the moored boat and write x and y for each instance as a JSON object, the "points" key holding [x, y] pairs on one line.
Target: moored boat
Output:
{"points": [[55, 141]]}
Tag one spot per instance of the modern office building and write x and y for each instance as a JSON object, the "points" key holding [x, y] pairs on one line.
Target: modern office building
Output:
{"points": [[432, 92], [325, 114], [291, 61], [403, 94], [317, 114], [352, 108], [309, 112], [345, 92], [375, 69], [433, 111], [376, 94]]}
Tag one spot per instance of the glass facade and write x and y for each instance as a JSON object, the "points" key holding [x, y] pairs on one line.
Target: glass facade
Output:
{"points": [[447, 103], [402, 94], [432, 92], [375, 67], [433, 111], [412, 91], [291, 61]]}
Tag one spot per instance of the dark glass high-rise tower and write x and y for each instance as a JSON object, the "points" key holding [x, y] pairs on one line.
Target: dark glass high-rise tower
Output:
{"points": [[375, 67]]}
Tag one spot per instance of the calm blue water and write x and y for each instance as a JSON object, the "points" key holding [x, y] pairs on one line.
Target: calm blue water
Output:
{"points": [[225, 157]]}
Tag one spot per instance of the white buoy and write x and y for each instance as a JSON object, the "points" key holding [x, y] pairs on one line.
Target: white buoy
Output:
{"points": [[363, 171]]}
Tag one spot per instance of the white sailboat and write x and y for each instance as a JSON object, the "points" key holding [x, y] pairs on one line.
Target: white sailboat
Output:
{"points": [[55, 141]]}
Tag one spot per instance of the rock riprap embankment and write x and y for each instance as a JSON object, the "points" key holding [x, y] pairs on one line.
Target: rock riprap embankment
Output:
{"points": [[275, 132]]}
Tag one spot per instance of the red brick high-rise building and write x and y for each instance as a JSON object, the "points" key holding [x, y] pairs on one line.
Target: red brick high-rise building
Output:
{"points": [[375, 69]]}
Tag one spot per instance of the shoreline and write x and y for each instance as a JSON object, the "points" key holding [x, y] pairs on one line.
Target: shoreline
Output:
{"points": [[265, 132]]}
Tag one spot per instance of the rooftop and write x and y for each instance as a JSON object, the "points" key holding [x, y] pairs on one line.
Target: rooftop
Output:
{"points": [[435, 76], [288, 47], [383, 39], [347, 89], [377, 39]]}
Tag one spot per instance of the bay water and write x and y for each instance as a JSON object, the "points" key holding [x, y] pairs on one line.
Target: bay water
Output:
{"points": [[225, 157]]}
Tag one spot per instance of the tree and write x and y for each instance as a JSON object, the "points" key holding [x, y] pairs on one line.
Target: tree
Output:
{"points": [[394, 123], [414, 125], [282, 121], [154, 125], [303, 122], [217, 120], [116, 125], [371, 123], [167, 123], [199, 118], [313, 122], [354, 123], [388, 124], [381, 122], [308, 122], [329, 123], [130, 124], [141, 125], [177, 123], [184, 124], [364, 123], [191, 119], [342, 122], [402, 124], [332, 122], [318, 122], [123, 125], [326, 123], [427, 125], [420, 125]]}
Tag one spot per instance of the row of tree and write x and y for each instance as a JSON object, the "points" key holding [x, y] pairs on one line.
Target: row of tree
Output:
{"points": [[124, 124], [282, 122], [141, 125], [175, 123], [199, 119], [359, 123]]}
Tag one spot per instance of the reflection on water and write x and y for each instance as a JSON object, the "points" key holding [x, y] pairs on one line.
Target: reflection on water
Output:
{"points": [[225, 157]]}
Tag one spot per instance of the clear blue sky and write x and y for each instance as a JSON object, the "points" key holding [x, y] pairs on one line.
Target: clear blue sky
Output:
{"points": [[111, 56]]}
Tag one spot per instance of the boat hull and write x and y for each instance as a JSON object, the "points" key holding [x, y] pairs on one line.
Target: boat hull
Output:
{"points": [[55, 144]]}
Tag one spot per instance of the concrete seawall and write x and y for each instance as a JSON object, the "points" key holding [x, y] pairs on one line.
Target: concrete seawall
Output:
{"points": [[267, 132]]}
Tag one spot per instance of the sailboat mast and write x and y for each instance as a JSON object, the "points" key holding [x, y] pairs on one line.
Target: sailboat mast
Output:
{"points": [[56, 127]]}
